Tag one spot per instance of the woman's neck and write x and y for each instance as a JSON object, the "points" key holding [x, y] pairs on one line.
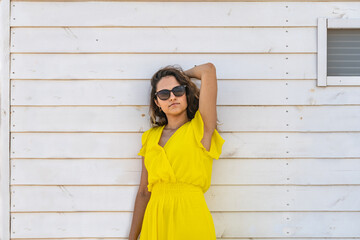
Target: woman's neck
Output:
{"points": [[174, 122]]}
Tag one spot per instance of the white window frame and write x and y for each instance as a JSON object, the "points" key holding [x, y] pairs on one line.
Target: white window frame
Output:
{"points": [[323, 25]]}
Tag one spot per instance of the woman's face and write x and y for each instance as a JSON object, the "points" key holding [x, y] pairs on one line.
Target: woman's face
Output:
{"points": [[173, 105]]}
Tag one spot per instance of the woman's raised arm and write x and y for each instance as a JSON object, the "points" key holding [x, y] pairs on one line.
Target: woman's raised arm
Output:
{"points": [[208, 95]]}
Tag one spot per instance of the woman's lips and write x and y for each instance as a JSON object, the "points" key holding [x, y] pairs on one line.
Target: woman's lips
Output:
{"points": [[173, 104]]}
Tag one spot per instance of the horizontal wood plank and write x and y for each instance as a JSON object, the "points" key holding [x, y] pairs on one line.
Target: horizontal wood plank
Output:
{"points": [[137, 92], [92, 118], [237, 145], [177, 13], [225, 171], [163, 40], [218, 198], [143, 66], [231, 118], [227, 224], [184, 1]]}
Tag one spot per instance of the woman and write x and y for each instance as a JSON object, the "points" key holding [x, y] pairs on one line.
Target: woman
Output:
{"points": [[177, 154]]}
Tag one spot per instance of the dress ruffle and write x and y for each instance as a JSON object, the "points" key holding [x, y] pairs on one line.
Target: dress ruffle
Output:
{"points": [[216, 140], [144, 139]]}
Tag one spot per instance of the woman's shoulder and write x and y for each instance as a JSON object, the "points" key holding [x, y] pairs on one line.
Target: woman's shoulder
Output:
{"points": [[147, 139], [150, 132]]}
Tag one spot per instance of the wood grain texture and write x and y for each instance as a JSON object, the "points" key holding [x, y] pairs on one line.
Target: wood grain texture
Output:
{"points": [[79, 98], [4, 119], [218, 14], [226, 171], [185, 1], [252, 92], [218, 198], [231, 118], [125, 66], [238, 145], [163, 40], [227, 224]]}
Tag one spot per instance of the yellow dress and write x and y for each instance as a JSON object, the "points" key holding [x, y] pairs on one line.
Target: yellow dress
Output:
{"points": [[179, 174]]}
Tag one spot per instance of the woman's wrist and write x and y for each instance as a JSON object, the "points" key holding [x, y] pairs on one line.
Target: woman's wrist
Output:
{"points": [[198, 70]]}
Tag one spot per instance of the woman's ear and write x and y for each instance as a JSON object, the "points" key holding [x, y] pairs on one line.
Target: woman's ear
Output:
{"points": [[156, 102]]}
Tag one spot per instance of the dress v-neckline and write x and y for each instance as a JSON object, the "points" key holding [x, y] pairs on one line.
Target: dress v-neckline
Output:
{"points": [[161, 131]]}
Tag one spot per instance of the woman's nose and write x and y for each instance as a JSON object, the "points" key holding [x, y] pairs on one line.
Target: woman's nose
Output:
{"points": [[172, 95]]}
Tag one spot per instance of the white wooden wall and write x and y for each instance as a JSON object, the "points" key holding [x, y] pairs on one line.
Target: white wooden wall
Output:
{"points": [[80, 73], [4, 119]]}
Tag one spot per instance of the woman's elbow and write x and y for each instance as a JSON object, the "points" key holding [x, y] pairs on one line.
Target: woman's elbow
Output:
{"points": [[211, 66], [143, 192]]}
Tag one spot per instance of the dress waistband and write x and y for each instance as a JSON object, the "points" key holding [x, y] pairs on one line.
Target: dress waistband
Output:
{"points": [[179, 187]]}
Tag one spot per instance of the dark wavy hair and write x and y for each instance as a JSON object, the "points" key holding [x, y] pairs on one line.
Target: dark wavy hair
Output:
{"points": [[157, 117]]}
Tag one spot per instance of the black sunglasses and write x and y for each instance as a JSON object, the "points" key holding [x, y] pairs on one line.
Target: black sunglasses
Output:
{"points": [[164, 94]]}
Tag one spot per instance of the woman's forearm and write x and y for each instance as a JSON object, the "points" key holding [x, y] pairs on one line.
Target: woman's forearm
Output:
{"points": [[199, 70], [141, 202]]}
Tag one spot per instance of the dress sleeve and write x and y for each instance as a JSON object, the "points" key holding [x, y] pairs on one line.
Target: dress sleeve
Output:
{"points": [[144, 141], [216, 140]]}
